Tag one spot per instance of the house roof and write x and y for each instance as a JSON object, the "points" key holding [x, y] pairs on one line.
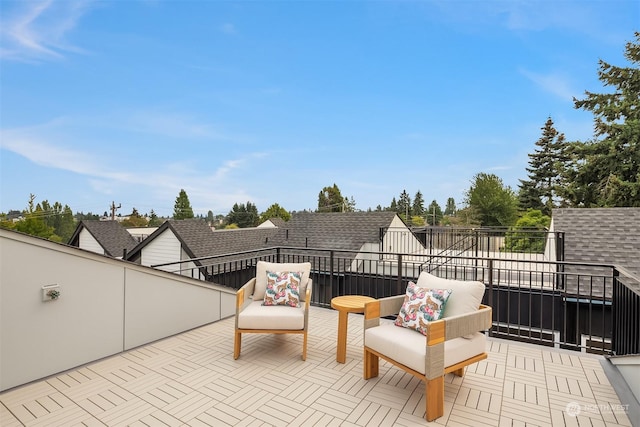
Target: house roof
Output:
{"points": [[340, 231], [194, 235], [112, 236], [600, 235], [337, 231], [273, 222], [199, 240], [232, 241]]}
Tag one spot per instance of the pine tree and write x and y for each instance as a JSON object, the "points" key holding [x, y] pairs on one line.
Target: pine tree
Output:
{"points": [[434, 213], [450, 209], [403, 207], [417, 208], [606, 171], [543, 188], [182, 208]]}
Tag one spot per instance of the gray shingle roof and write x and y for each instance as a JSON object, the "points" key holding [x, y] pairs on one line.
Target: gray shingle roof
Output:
{"points": [[340, 231], [200, 241], [112, 236], [600, 235]]}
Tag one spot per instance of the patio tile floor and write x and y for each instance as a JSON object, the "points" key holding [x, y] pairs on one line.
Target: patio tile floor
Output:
{"points": [[191, 379]]}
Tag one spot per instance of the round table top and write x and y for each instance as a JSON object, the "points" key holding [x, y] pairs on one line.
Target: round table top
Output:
{"points": [[350, 303]]}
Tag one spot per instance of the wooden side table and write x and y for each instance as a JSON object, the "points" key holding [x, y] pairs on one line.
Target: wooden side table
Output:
{"points": [[346, 304]]}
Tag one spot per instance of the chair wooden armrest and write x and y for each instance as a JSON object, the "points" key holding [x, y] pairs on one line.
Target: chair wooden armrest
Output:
{"points": [[382, 307]]}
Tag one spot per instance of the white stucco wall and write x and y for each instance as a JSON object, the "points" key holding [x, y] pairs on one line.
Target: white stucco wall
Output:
{"points": [[106, 306]]}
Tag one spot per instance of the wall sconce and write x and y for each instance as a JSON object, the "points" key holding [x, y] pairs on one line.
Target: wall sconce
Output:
{"points": [[50, 292]]}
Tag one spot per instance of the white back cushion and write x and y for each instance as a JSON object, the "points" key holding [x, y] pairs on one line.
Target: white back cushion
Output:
{"points": [[261, 276], [466, 295]]}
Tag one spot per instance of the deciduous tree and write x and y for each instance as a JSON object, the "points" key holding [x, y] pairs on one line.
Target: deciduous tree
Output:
{"points": [[492, 203], [275, 211]]}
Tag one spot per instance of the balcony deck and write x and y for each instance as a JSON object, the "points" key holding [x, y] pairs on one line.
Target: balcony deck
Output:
{"points": [[192, 379]]}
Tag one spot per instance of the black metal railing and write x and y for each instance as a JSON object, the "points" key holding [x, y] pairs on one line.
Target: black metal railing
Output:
{"points": [[578, 306]]}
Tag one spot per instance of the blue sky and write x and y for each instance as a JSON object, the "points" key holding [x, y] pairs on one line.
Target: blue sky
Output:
{"points": [[269, 102]]}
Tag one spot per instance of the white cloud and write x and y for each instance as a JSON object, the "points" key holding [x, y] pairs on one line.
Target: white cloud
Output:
{"points": [[58, 145], [37, 30], [228, 28], [554, 83]]}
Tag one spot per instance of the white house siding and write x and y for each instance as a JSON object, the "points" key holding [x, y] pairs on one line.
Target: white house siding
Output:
{"points": [[87, 242], [164, 248], [189, 268]]}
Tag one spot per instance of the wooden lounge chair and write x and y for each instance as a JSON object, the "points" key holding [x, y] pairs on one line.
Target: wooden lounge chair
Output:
{"points": [[253, 316], [448, 345]]}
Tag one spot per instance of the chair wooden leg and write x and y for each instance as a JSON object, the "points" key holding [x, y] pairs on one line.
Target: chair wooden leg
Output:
{"points": [[237, 343], [458, 372], [434, 395], [371, 364], [304, 346]]}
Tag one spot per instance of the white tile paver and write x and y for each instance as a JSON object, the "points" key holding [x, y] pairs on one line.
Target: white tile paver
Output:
{"points": [[191, 379]]}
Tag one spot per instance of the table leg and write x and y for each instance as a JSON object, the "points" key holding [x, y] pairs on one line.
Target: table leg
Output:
{"points": [[341, 354]]}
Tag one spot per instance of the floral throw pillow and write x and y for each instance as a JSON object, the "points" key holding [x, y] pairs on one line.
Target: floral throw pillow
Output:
{"points": [[421, 306], [283, 288]]}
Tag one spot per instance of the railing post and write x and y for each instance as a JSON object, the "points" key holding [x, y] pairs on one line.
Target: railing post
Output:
{"points": [[614, 318], [494, 310], [399, 280], [490, 279], [331, 254], [560, 277]]}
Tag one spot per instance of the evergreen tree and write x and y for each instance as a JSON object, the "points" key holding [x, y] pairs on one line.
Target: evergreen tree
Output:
{"points": [[606, 171], [450, 209], [417, 208], [243, 215], [154, 221], [393, 207], [544, 185], [434, 214], [330, 200], [404, 206], [182, 208]]}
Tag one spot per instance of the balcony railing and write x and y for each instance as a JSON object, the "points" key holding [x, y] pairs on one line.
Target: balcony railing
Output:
{"points": [[578, 306]]}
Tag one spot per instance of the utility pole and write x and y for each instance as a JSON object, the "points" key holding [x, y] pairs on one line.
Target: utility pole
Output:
{"points": [[114, 208]]}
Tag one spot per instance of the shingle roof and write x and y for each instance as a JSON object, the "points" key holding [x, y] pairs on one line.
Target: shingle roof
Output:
{"points": [[199, 241], [112, 236], [600, 235], [346, 231], [195, 234], [237, 240]]}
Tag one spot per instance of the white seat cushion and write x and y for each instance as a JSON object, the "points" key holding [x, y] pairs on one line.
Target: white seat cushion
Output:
{"points": [[466, 295], [409, 347], [258, 316]]}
